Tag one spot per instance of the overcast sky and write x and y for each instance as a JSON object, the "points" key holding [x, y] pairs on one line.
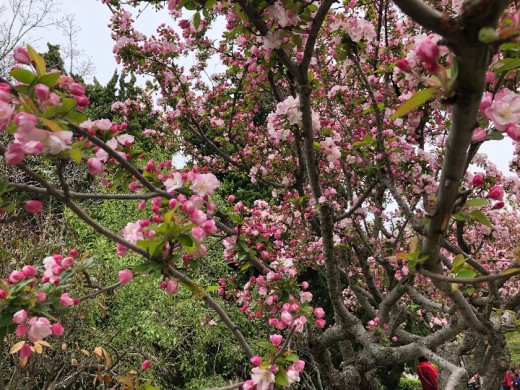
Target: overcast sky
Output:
{"points": [[94, 39]]}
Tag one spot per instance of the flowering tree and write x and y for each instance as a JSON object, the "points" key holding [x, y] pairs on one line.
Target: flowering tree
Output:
{"points": [[387, 236]]}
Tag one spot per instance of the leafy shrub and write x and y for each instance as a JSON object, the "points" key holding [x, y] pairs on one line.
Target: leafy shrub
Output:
{"points": [[409, 384]]}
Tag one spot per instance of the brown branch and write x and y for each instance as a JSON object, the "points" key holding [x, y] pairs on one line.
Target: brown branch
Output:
{"points": [[480, 279]]}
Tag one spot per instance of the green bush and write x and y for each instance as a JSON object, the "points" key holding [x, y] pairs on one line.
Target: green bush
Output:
{"points": [[409, 384]]}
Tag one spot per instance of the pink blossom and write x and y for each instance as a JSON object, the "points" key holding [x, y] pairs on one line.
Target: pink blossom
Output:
{"points": [[25, 351], [132, 232], [6, 111], [428, 51], [205, 184], [478, 180], [33, 206], [125, 139], [276, 339], [57, 330], [320, 323], [231, 198], [172, 286], [198, 234], [210, 227], [256, 360], [487, 100], [95, 166], [77, 89], [404, 65], [505, 109], [479, 135], [52, 142], [305, 296], [3, 294], [20, 317], [496, 192], [20, 331], [198, 217], [25, 121], [41, 297], [263, 378], [248, 385], [42, 91], [67, 262], [299, 365], [29, 271], [82, 101], [125, 276], [14, 154], [394, 339], [145, 365], [319, 312], [299, 323], [498, 205], [66, 300], [286, 317], [17, 276], [21, 55], [33, 148], [40, 328], [174, 182], [273, 40], [513, 131]]}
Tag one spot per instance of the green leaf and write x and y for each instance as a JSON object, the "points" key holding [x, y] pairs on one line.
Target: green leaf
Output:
{"points": [[212, 288], [267, 345], [477, 202], [196, 20], [210, 4], [49, 79], [149, 267], [51, 111], [76, 117], [281, 378], [415, 101], [22, 75], [148, 386], [38, 60], [495, 135], [467, 274], [514, 46], [460, 216], [292, 357], [76, 155], [185, 240], [371, 108], [506, 64], [458, 263], [479, 216], [235, 218]]}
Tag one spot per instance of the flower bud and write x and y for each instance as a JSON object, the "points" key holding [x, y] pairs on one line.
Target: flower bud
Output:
{"points": [[21, 55]]}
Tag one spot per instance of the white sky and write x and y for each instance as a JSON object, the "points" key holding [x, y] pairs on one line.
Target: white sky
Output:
{"points": [[94, 39]]}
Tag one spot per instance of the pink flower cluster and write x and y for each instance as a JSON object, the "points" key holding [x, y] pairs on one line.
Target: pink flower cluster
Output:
{"points": [[54, 266], [504, 111], [263, 374], [29, 138], [34, 329]]}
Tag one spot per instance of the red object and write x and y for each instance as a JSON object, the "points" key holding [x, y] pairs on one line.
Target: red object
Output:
{"points": [[508, 379], [428, 376]]}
